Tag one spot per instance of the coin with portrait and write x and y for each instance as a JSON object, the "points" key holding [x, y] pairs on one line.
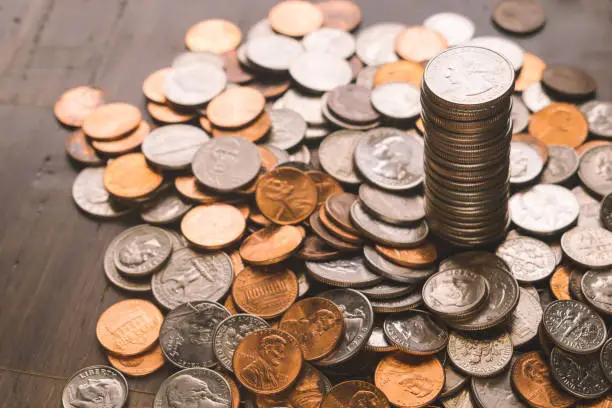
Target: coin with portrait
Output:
{"points": [[355, 394], [416, 332], [95, 386], [230, 332], [597, 289], [140, 250], [481, 356], [308, 391], [194, 388], [455, 292]]}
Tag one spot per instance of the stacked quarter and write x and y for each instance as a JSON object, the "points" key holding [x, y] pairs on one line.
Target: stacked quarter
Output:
{"points": [[466, 106]]}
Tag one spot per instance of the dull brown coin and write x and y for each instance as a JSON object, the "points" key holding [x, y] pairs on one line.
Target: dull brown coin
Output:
{"points": [[338, 207], [213, 226], [111, 121], [189, 188], [589, 145], [409, 381], [323, 233], [419, 257], [419, 44], [76, 103], [336, 230], [263, 291], [126, 144], [342, 14], [167, 114], [532, 380], [230, 305], [531, 73], [317, 324], [267, 361], [559, 124], [205, 124], [236, 261], [400, 71], [271, 87], [286, 195], [605, 402], [153, 86], [215, 35], [81, 150], [234, 70], [233, 387], [258, 218], [419, 125], [139, 365], [308, 391], [130, 177], [295, 18], [129, 327], [537, 144], [253, 131], [271, 244], [357, 394], [235, 107], [326, 185], [314, 249], [268, 159], [559, 282]]}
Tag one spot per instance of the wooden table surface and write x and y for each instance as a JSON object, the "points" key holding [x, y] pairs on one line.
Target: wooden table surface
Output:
{"points": [[51, 278]]}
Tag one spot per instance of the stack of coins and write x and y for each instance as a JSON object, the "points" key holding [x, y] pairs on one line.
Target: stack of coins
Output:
{"points": [[466, 104]]}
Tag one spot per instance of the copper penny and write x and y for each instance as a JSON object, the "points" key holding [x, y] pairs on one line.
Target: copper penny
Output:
{"points": [[258, 218], [111, 121], [130, 177], [235, 107], [267, 361], [215, 35], [213, 226], [244, 209], [560, 281], [589, 145], [338, 207], [236, 261], [75, 104], [323, 233], [189, 188], [271, 87], [231, 305], [81, 150], [129, 327], [233, 387], [139, 365], [537, 144], [355, 394], [271, 244], [153, 86], [253, 131], [126, 144], [419, 44], [409, 381], [317, 324], [205, 124], [400, 71], [167, 114], [605, 402], [342, 14], [308, 391], [531, 73], [532, 380], [336, 230], [326, 185], [559, 124], [268, 159], [233, 69], [314, 249], [295, 18], [419, 125], [265, 291], [286, 195], [420, 257]]}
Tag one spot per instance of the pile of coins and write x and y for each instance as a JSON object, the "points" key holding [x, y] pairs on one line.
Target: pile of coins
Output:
{"points": [[285, 244]]}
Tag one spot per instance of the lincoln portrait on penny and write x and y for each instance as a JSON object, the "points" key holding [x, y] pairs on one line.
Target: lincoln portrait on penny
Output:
{"points": [[263, 371]]}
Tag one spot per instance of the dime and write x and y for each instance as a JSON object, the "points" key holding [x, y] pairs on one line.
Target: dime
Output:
{"points": [[207, 385], [190, 277], [525, 163], [419, 257], [320, 71], [287, 130], [392, 271], [397, 100], [594, 169], [215, 35], [77, 103], [535, 98], [580, 376], [559, 123], [130, 177], [111, 121], [561, 166], [346, 272], [480, 357], [419, 44], [90, 196], [455, 28], [525, 319], [376, 44], [606, 212], [355, 393], [455, 292], [235, 107], [399, 71], [400, 304], [271, 244], [194, 85], [519, 16], [416, 332], [590, 208], [326, 185], [80, 149], [507, 48], [519, 114], [497, 391], [559, 282], [605, 359], [165, 209], [213, 226], [398, 373], [336, 154], [308, 391], [454, 381], [394, 208], [570, 82], [378, 342], [173, 147], [589, 247], [90, 384], [139, 365], [352, 102], [599, 116], [330, 40], [340, 14], [141, 250], [531, 73], [117, 279], [129, 327], [387, 290], [126, 144], [596, 290], [530, 260]]}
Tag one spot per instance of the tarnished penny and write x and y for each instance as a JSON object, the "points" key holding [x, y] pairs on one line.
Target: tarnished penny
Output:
{"points": [[129, 327], [77, 103], [188, 187], [308, 391], [286, 195], [111, 121], [125, 144], [167, 114], [268, 361], [139, 365], [326, 185], [315, 249], [341, 14], [234, 68], [265, 291], [531, 73], [153, 86], [81, 150], [253, 131], [409, 381], [355, 394], [399, 71], [235, 107], [295, 18], [559, 124], [336, 230], [559, 282], [419, 44], [338, 207], [271, 244], [215, 35], [130, 177], [317, 324], [419, 257], [519, 16], [213, 226], [569, 82]]}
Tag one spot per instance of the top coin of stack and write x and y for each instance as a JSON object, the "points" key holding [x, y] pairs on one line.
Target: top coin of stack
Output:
{"points": [[466, 99]]}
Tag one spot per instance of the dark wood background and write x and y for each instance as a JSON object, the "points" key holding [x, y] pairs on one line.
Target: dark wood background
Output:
{"points": [[51, 280]]}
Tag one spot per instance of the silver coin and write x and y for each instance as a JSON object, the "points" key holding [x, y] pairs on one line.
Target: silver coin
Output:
{"points": [[416, 332], [336, 154], [530, 259], [474, 259], [90, 196], [309, 106], [519, 114], [317, 132], [599, 115], [480, 356], [358, 324], [525, 320], [95, 385], [397, 100], [141, 250], [589, 247], [377, 340], [398, 304], [117, 279], [497, 391], [456, 28], [562, 164], [193, 58], [167, 208], [605, 213], [535, 98], [544, 209], [190, 276], [394, 272], [346, 272], [200, 386], [178, 241], [387, 234], [230, 332], [595, 169], [596, 287], [574, 327], [590, 208], [365, 77], [342, 123], [194, 85], [273, 52], [226, 163], [394, 208], [287, 130], [507, 48], [462, 400], [455, 292], [525, 163], [330, 40], [575, 284], [172, 147], [387, 289], [376, 44], [352, 103], [320, 72], [300, 154], [454, 381], [580, 376], [260, 29], [282, 156], [605, 359]]}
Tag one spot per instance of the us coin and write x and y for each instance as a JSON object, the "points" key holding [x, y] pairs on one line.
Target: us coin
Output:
{"points": [[309, 106], [194, 85], [91, 197], [507, 48], [596, 288], [496, 391], [377, 341], [394, 208], [519, 115], [230, 332], [310, 387], [392, 271], [273, 53], [141, 250], [535, 98], [525, 319], [606, 212], [461, 400], [590, 208], [180, 389], [330, 40], [167, 208], [455, 292], [96, 383], [519, 17], [530, 260], [387, 290], [580, 376], [193, 58], [172, 147], [525, 163], [400, 304], [336, 154], [594, 169], [454, 381], [456, 28], [605, 360], [416, 332], [376, 44], [599, 116], [589, 247], [288, 128], [397, 100], [319, 71], [480, 356], [561, 166], [117, 279], [351, 272], [569, 82], [352, 103]]}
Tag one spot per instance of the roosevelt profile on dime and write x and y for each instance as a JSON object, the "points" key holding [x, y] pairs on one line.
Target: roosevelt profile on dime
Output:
{"points": [[98, 392], [186, 391]]}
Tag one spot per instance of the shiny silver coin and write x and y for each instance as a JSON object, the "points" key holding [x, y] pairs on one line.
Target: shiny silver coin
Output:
{"points": [[525, 163], [590, 208], [476, 260], [194, 58], [352, 103], [178, 241], [595, 169], [535, 98], [377, 341], [317, 132], [273, 52], [141, 250], [456, 28], [336, 154], [190, 276], [228, 334], [226, 163], [525, 319], [319, 71], [605, 360], [200, 385], [519, 114], [91, 385], [194, 85], [497, 391], [172, 147], [376, 44], [454, 381], [394, 208], [287, 130], [91, 197], [507, 48], [588, 247], [117, 278], [399, 304], [416, 332], [331, 41], [309, 106], [282, 156], [530, 259], [346, 272], [455, 292], [300, 154], [562, 164], [387, 289], [596, 288], [467, 352], [365, 77], [606, 212], [397, 100], [461, 400], [580, 376], [599, 115], [392, 271], [260, 29], [167, 208]]}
